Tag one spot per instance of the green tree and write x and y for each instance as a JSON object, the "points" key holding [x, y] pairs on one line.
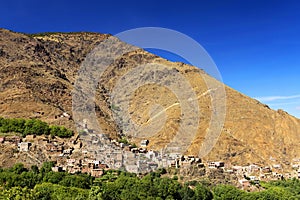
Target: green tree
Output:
{"points": [[54, 130], [18, 168], [227, 192], [95, 193], [202, 192], [35, 169], [48, 191], [167, 188], [53, 177], [33, 126], [18, 193], [46, 167], [80, 181], [187, 193]]}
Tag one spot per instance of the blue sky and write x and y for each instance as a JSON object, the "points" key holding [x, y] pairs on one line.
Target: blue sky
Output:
{"points": [[255, 43]]}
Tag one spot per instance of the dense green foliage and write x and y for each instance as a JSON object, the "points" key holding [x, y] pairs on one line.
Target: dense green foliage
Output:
{"points": [[274, 190], [21, 183], [31, 127]]}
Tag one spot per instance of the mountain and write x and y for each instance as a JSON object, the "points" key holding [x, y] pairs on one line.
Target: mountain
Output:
{"points": [[38, 73]]}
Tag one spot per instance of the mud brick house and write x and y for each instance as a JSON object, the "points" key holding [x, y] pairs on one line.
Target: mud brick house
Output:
{"points": [[67, 152], [24, 146], [57, 169], [144, 143], [215, 165]]}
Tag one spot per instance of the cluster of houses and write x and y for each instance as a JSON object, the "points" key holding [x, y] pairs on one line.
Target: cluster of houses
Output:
{"points": [[101, 153], [117, 155], [55, 149], [90, 166], [254, 173]]}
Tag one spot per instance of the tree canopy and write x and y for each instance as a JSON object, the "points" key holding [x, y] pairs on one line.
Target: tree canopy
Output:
{"points": [[19, 182], [33, 127]]}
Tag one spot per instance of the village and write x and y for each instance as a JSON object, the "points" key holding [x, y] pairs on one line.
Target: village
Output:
{"points": [[101, 153]]}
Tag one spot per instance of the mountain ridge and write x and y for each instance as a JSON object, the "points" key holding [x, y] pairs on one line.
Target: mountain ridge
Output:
{"points": [[37, 74]]}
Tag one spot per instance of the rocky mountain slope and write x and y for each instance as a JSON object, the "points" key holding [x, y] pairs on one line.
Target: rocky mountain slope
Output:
{"points": [[38, 72]]}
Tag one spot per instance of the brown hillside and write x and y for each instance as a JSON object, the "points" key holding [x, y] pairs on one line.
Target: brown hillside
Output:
{"points": [[37, 74]]}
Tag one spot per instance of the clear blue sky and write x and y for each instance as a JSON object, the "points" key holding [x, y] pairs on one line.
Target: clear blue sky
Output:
{"points": [[255, 43]]}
